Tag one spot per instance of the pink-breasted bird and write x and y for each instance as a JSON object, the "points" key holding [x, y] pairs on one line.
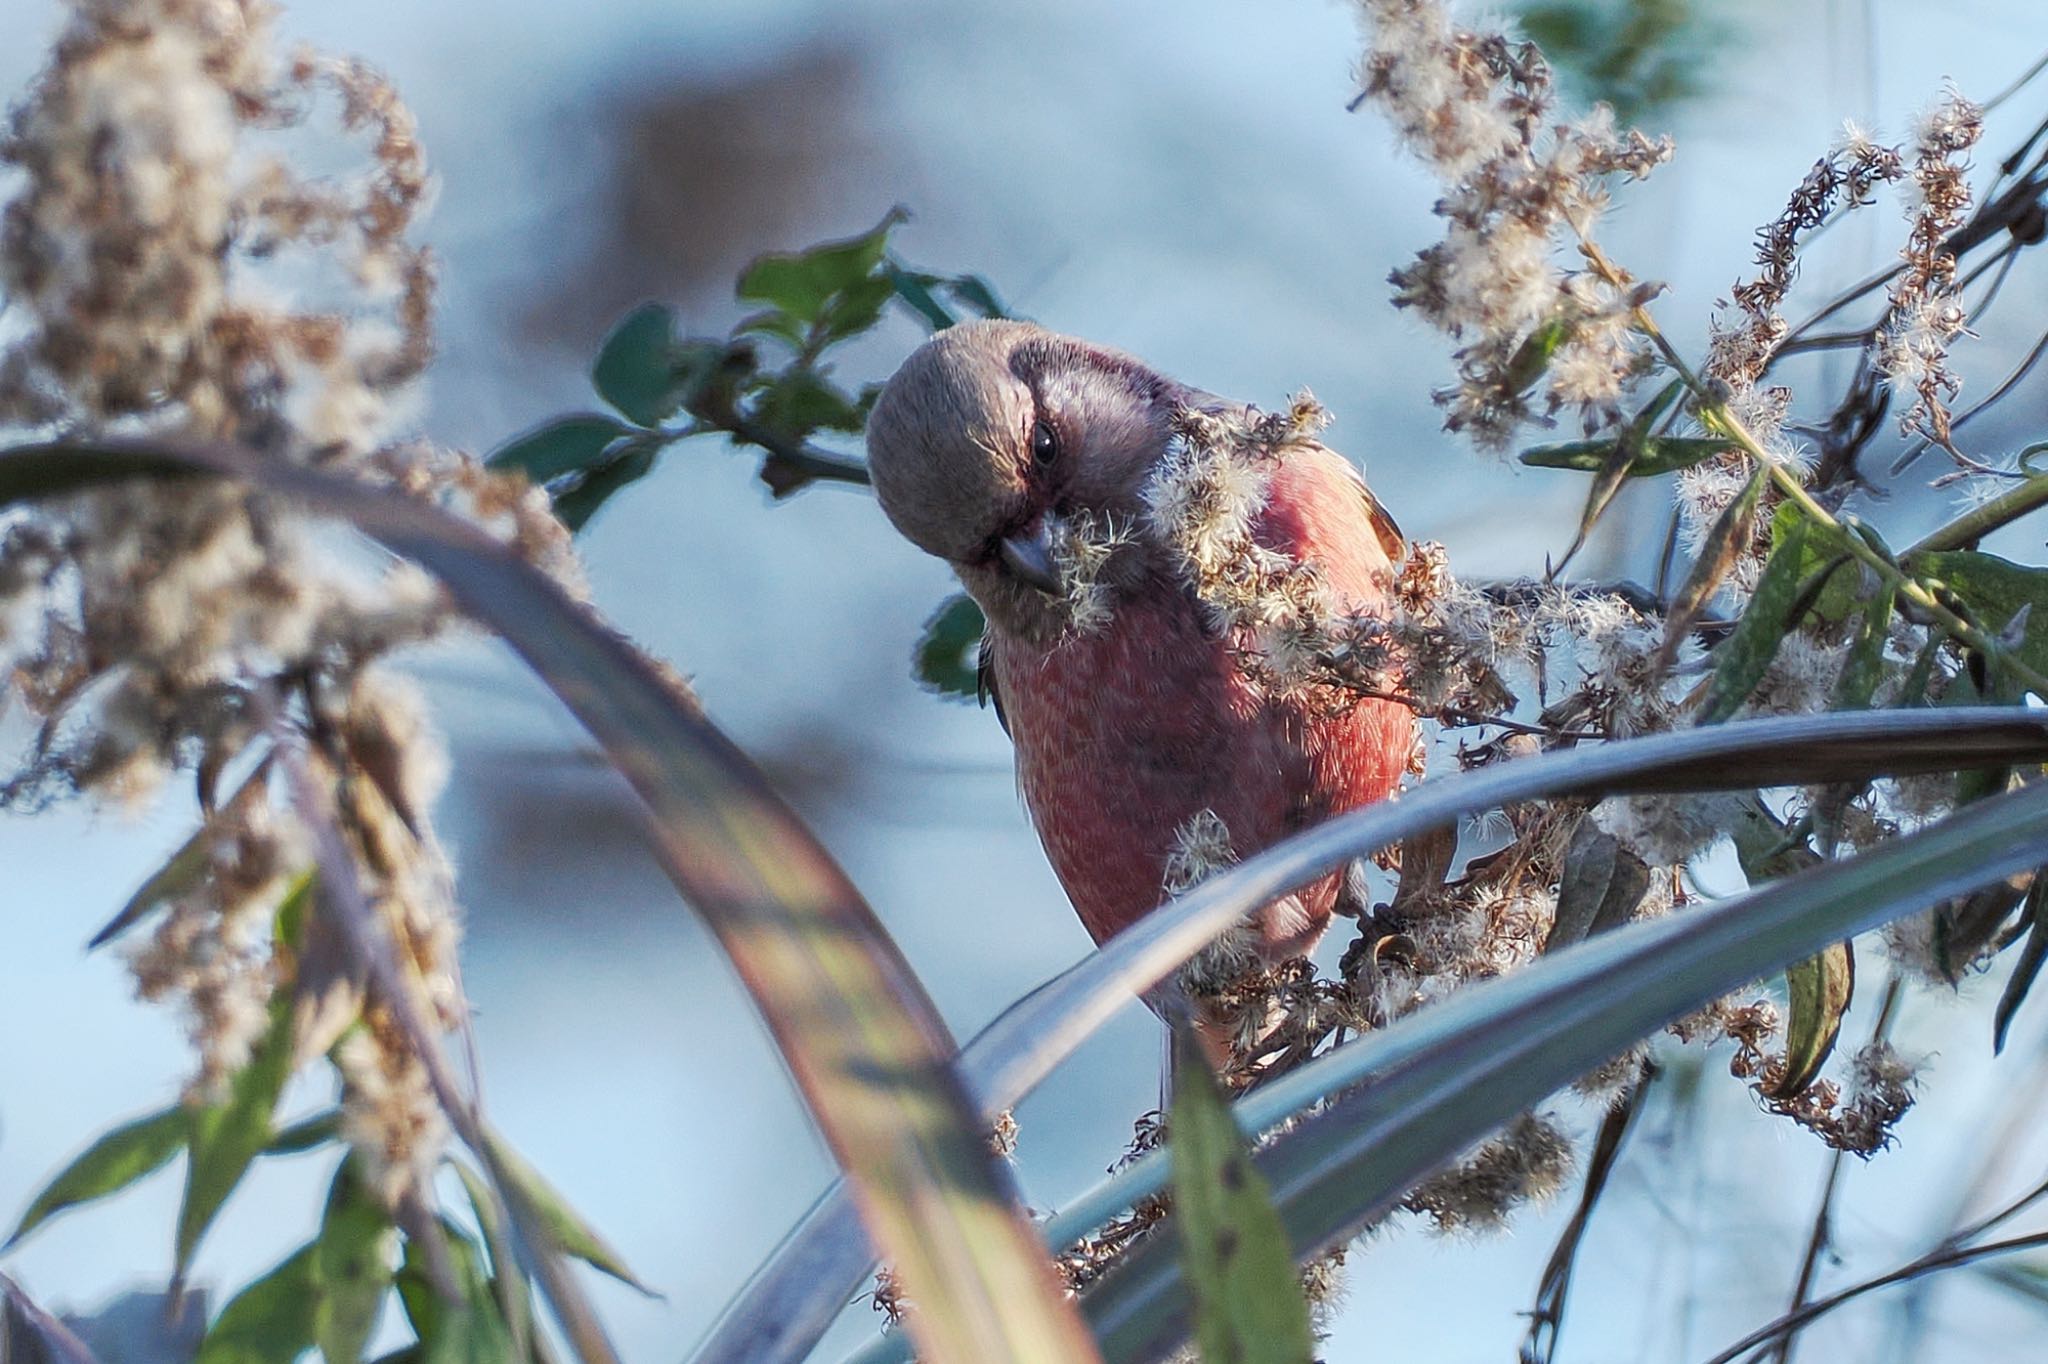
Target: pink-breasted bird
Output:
{"points": [[1141, 722]]}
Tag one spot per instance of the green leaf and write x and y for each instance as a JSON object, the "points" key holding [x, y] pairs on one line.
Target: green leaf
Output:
{"points": [[1658, 454], [352, 1267], [571, 1234], [225, 1138], [306, 1135], [800, 401], [1863, 667], [186, 866], [270, 1321], [566, 445], [779, 325], [1248, 1303], [855, 308], [1819, 990], [1532, 357], [974, 293], [508, 1279], [914, 288], [1766, 848], [800, 284], [2028, 967], [1995, 590], [1742, 659], [575, 506], [109, 1165], [947, 650], [874, 1060], [636, 367], [469, 1330]]}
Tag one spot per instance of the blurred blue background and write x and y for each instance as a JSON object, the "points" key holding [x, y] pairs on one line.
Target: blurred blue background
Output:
{"points": [[1180, 179]]}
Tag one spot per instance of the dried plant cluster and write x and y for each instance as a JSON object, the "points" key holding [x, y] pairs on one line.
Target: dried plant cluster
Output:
{"points": [[1541, 664], [1478, 109], [171, 274]]}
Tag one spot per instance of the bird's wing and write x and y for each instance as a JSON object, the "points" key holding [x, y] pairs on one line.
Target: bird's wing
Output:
{"points": [[985, 678], [1384, 526]]}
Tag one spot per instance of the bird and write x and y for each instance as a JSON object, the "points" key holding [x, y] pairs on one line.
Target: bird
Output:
{"points": [[1149, 724]]}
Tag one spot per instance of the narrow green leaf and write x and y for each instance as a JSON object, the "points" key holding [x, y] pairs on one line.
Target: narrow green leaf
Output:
{"points": [[1863, 668], [270, 1321], [1742, 659], [352, 1269], [469, 1331], [1585, 456], [575, 506], [566, 445], [946, 651], [635, 369], [1248, 1303], [109, 1165], [1818, 990], [1532, 357], [508, 1278], [801, 283], [571, 1234], [306, 1135], [870, 1053], [1765, 846], [174, 878], [1658, 455], [975, 293], [1995, 590], [915, 289], [225, 1138], [2028, 967]]}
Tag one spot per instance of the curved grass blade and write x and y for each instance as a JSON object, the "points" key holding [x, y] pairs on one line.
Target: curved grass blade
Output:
{"points": [[867, 1048], [1443, 1078], [822, 1264], [30, 1334]]}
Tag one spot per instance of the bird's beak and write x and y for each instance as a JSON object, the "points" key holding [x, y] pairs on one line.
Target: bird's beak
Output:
{"points": [[1029, 556]]}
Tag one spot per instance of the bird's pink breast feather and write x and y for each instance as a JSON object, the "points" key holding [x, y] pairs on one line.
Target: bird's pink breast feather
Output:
{"points": [[1125, 734]]}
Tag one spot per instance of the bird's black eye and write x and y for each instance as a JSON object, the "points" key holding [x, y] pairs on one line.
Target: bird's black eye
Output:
{"points": [[1045, 447]]}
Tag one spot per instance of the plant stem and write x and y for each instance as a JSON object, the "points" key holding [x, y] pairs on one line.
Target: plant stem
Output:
{"points": [[1966, 530], [1714, 414]]}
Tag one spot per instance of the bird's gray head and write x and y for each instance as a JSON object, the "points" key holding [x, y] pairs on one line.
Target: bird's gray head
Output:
{"points": [[992, 428]]}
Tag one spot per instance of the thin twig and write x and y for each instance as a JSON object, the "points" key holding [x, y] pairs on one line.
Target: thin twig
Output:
{"points": [[1823, 1218], [1973, 525], [1948, 1258], [1546, 1317], [2018, 84]]}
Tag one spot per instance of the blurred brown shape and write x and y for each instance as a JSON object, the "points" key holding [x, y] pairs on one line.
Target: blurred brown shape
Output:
{"points": [[708, 176]]}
